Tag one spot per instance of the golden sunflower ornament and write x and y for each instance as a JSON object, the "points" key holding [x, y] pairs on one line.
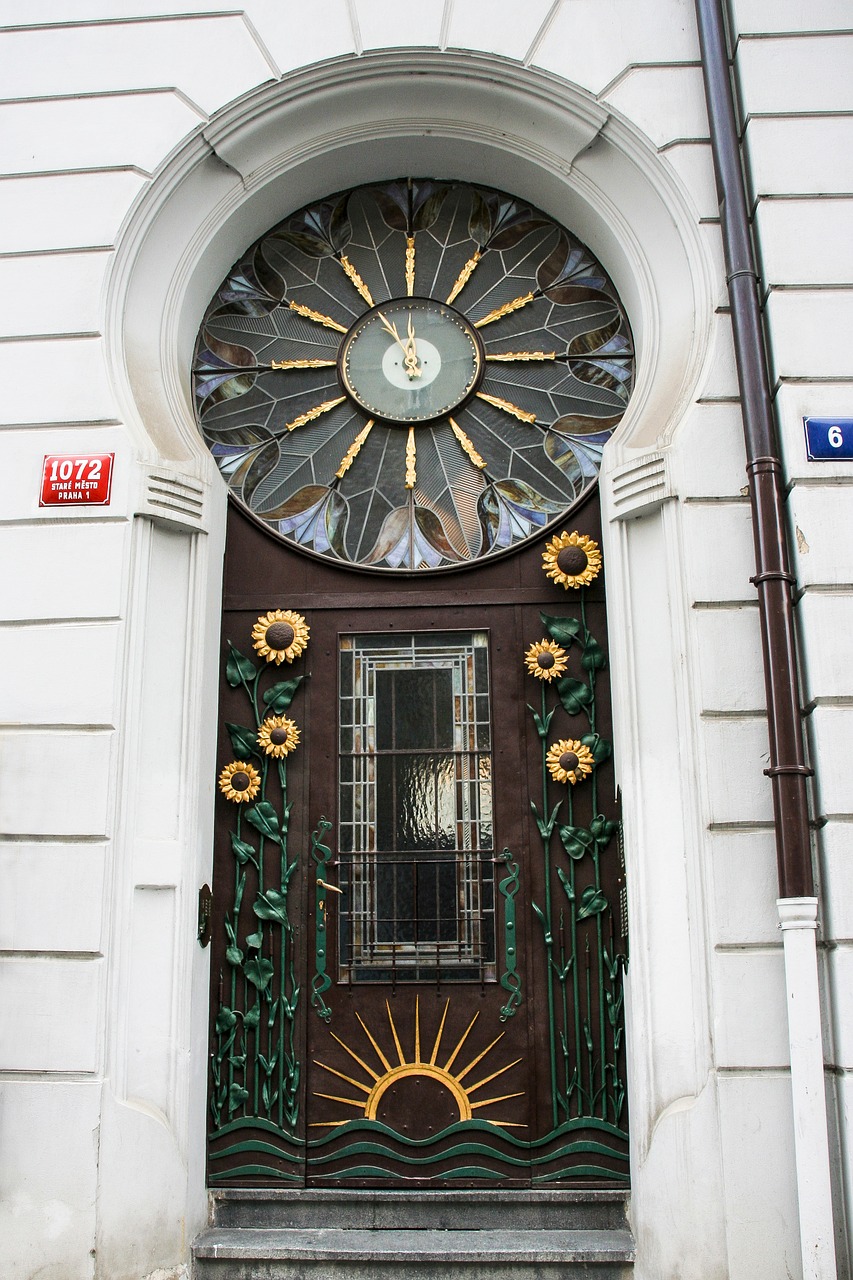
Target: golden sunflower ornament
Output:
{"points": [[278, 736], [239, 781], [280, 635], [545, 660], [572, 559], [569, 761]]}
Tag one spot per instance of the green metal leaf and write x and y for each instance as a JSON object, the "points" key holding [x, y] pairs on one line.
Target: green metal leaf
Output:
{"points": [[243, 852], [225, 1019], [259, 972], [549, 939], [593, 658], [601, 830], [574, 695], [593, 902], [244, 741], [237, 1095], [279, 697], [542, 726], [265, 819], [238, 896], [566, 883], [234, 956], [600, 748], [546, 826], [252, 1018], [563, 630], [255, 940], [271, 905], [576, 841], [238, 667]]}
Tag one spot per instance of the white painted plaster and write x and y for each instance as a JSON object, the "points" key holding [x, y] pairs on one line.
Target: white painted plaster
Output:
{"points": [[510, 31], [48, 1178], [806, 155], [65, 756], [66, 211], [73, 282], [592, 42], [744, 875], [725, 529], [210, 59], [384, 24], [792, 75], [728, 650], [760, 1185], [70, 575], [701, 472], [76, 391], [83, 663], [759, 16], [50, 1018], [98, 132], [52, 896], [806, 242]]}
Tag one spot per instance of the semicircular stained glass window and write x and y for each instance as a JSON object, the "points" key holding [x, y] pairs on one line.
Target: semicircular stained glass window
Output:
{"points": [[413, 376]]}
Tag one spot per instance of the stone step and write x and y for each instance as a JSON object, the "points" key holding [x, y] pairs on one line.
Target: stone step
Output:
{"points": [[427, 1254], [587, 1210]]}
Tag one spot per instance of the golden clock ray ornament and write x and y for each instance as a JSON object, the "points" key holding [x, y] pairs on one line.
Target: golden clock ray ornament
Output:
{"points": [[473, 280]]}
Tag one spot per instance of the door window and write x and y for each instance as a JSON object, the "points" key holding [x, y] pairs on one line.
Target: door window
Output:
{"points": [[415, 801]]}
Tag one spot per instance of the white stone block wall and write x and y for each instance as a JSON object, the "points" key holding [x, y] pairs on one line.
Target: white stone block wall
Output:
{"points": [[109, 619], [792, 72]]}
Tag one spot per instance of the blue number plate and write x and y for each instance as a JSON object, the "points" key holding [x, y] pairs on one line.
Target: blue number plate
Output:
{"points": [[828, 439]]}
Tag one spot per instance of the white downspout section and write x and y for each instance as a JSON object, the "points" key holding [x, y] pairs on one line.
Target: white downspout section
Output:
{"points": [[798, 919]]}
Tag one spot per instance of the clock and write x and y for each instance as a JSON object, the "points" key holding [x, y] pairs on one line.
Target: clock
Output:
{"points": [[428, 369], [412, 377]]}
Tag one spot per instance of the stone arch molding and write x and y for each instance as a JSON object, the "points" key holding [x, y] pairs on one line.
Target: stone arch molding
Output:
{"points": [[352, 120], [486, 120]]}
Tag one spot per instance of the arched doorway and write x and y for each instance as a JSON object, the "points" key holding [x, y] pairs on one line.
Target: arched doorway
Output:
{"points": [[274, 150], [422, 836]]}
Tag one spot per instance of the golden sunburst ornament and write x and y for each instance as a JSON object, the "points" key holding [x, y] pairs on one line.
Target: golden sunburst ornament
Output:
{"points": [[278, 736], [546, 660], [280, 635], [381, 1090], [239, 781], [572, 560], [569, 761]]}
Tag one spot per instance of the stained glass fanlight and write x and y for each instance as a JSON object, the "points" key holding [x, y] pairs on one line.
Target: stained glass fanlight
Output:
{"points": [[413, 376]]}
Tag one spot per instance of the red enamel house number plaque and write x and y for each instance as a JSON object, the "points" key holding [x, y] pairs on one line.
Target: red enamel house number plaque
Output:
{"points": [[72, 479]]}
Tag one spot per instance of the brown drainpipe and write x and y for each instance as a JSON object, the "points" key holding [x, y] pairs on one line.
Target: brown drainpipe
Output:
{"points": [[773, 578]]}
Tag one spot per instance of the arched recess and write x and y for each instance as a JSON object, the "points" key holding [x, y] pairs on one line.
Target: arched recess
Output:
{"points": [[352, 121]]}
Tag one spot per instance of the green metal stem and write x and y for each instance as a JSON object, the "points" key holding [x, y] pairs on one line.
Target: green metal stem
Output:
{"points": [[575, 967], [546, 845]]}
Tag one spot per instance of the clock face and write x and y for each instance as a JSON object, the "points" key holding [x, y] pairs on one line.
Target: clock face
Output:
{"points": [[411, 360], [414, 376]]}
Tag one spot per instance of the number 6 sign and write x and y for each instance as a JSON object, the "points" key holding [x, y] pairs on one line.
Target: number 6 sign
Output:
{"points": [[72, 479], [828, 439]]}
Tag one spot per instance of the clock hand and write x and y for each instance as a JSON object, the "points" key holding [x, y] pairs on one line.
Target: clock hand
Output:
{"points": [[392, 330], [412, 367], [409, 350]]}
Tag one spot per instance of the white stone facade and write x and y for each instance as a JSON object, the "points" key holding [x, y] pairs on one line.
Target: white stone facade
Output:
{"points": [[142, 149]]}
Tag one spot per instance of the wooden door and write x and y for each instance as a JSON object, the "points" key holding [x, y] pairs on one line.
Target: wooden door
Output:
{"points": [[435, 947]]}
